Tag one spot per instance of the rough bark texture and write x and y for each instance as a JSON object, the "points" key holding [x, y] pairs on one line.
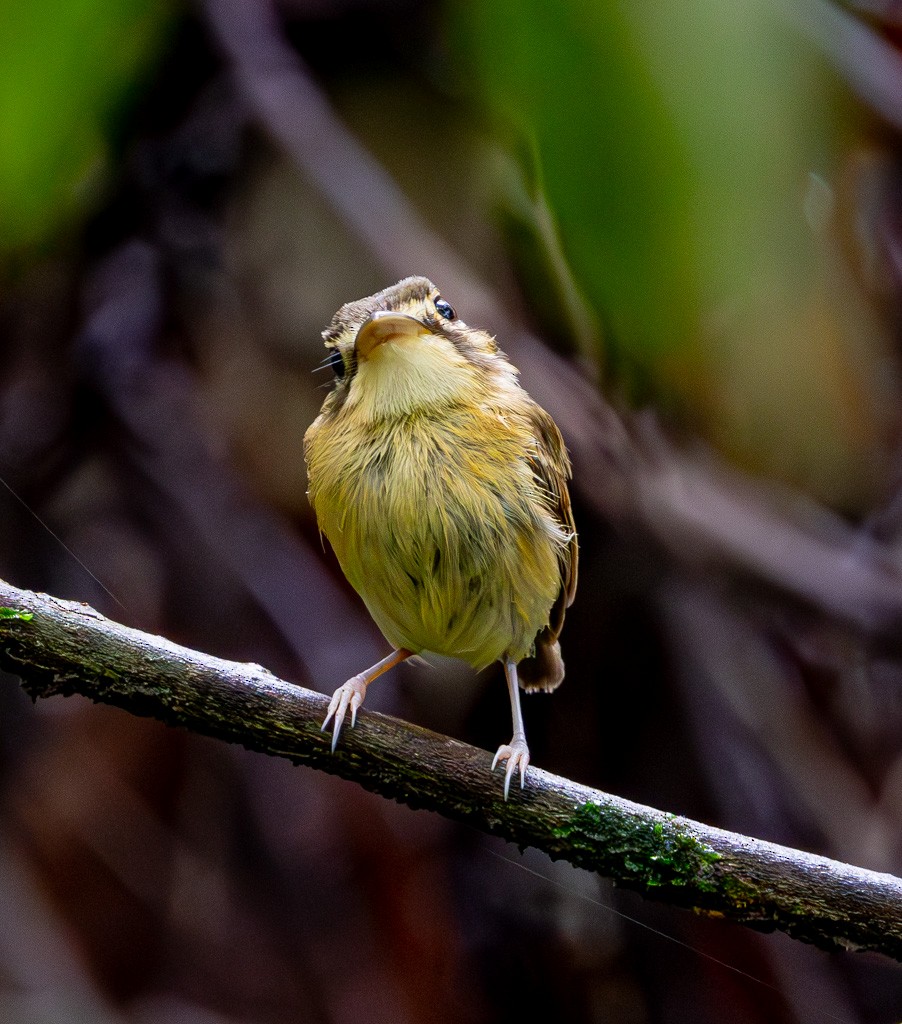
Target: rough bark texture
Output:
{"points": [[58, 647]]}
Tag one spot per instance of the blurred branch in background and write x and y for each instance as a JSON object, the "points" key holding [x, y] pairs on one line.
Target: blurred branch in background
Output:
{"points": [[870, 64], [59, 649]]}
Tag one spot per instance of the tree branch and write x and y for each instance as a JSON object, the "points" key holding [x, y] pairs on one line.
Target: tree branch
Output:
{"points": [[59, 647]]}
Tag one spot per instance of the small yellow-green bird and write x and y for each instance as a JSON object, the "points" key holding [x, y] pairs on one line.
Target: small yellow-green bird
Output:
{"points": [[442, 487]]}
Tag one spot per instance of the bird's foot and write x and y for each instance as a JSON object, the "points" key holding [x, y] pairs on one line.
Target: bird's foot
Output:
{"points": [[349, 694], [516, 753]]}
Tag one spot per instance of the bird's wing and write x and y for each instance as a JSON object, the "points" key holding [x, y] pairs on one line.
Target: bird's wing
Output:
{"points": [[551, 467]]}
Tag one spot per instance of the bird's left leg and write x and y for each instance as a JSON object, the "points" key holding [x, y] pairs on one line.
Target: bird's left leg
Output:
{"points": [[516, 753], [351, 693]]}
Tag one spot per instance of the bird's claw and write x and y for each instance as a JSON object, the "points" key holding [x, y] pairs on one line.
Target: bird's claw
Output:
{"points": [[349, 694], [516, 753]]}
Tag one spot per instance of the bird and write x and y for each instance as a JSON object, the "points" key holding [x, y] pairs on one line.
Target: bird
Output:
{"points": [[441, 486]]}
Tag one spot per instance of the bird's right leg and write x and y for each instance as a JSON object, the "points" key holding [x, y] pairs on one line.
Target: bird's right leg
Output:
{"points": [[351, 693], [516, 753]]}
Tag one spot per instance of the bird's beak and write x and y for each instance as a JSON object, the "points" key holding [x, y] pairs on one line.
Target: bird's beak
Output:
{"points": [[385, 326]]}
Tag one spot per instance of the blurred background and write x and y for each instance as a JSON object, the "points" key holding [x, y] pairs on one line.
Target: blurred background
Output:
{"points": [[684, 224]]}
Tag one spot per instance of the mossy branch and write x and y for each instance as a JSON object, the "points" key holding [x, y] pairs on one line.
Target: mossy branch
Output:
{"points": [[58, 647]]}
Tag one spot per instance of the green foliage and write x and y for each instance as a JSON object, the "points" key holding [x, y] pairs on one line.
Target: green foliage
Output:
{"points": [[568, 75], [16, 613], [66, 70], [685, 162]]}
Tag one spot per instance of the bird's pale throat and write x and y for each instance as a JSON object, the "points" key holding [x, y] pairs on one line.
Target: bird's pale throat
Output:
{"points": [[408, 372]]}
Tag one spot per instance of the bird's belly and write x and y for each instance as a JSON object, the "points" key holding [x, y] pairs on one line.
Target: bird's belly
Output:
{"points": [[447, 602], [463, 563]]}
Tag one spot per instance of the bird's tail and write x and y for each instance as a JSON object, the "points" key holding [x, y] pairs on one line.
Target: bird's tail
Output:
{"points": [[544, 670]]}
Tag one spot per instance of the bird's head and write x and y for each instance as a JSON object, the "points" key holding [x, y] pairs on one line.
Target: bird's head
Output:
{"points": [[404, 350]]}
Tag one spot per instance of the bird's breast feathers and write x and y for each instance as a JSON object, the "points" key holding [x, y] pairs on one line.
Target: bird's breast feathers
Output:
{"points": [[441, 525]]}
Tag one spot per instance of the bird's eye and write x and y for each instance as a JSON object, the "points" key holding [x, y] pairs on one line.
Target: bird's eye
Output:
{"points": [[337, 363], [445, 309]]}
